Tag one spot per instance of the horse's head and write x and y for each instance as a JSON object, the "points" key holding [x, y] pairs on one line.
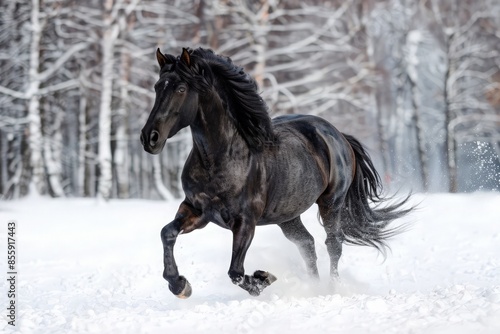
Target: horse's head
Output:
{"points": [[175, 106]]}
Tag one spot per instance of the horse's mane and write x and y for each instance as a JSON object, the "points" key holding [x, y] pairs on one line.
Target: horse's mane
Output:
{"points": [[237, 90]]}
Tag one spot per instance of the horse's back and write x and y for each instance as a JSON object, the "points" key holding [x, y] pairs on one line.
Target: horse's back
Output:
{"points": [[319, 133], [307, 125]]}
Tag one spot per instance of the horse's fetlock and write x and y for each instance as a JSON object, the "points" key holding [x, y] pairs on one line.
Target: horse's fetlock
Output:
{"points": [[236, 277], [170, 278]]}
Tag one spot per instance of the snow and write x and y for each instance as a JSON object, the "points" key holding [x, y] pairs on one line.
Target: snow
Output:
{"points": [[87, 266]]}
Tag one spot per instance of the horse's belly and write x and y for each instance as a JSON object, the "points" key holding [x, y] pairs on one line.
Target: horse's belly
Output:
{"points": [[285, 212], [292, 192]]}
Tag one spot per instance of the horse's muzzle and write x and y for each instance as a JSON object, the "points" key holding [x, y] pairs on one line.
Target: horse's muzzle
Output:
{"points": [[151, 142]]}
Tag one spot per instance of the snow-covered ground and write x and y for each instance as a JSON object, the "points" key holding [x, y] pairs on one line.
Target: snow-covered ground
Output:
{"points": [[93, 267]]}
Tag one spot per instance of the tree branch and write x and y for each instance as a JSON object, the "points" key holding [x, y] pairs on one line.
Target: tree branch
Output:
{"points": [[42, 76], [60, 86], [13, 93]]}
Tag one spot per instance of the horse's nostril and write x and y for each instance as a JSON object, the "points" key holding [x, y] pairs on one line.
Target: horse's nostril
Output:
{"points": [[153, 139]]}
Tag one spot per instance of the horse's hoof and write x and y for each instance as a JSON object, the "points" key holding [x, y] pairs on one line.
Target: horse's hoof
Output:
{"points": [[266, 277], [186, 290], [260, 280]]}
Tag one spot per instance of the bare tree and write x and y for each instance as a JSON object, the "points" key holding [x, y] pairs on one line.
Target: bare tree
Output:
{"points": [[470, 68], [417, 81]]}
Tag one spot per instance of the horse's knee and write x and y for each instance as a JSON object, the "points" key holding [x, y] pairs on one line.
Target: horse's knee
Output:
{"points": [[335, 238], [169, 232]]}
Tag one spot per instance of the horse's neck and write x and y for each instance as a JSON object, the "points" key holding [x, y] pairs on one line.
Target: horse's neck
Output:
{"points": [[214, 135]]}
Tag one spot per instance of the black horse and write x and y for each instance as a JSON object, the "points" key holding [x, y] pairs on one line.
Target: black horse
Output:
{"points": [[246, 170]]}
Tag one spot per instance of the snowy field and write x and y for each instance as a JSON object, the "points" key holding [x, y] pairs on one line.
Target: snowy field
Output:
{"points": [[93, 267]]}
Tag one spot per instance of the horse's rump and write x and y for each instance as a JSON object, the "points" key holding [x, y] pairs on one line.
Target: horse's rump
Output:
{"points": [[310, 159]]}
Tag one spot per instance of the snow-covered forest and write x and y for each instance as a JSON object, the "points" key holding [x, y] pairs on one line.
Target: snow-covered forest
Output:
{"points": [[417, 81]]}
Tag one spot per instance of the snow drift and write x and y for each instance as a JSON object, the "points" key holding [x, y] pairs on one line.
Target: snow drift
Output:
{"points": [[94, 267]]}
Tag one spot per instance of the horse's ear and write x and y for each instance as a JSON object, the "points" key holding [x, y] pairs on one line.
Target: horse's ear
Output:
{"points": [[186, 57], [162, 59]]}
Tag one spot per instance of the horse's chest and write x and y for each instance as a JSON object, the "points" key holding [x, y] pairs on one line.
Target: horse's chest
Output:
{"points": [[209, 184], [223, 192], [213, 208], [226, 176]]}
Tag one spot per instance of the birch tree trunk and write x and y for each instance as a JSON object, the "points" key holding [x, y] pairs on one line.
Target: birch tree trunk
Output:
{"points": [[260, 45], [82, 144], [35, 140], [51, 150], [122, 151], [450, 136], [52, 164], [4, 175], [413, 38], [121, 161], [160, 186], [381, 116], [111, 30]]}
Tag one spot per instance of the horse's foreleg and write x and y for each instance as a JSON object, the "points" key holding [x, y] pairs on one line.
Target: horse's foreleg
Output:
{"points": [[177, 284], [184, 222], [243, 232]]}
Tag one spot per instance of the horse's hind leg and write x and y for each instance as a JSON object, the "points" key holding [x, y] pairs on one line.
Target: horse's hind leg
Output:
{"points": [[295, 231], [330, 213]]}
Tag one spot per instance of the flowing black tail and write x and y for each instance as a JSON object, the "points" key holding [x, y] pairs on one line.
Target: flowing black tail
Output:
{"points": [[362, 224]]}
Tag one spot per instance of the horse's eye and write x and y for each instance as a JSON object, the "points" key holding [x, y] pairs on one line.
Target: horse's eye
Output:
{"points": [[181, 89]]}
